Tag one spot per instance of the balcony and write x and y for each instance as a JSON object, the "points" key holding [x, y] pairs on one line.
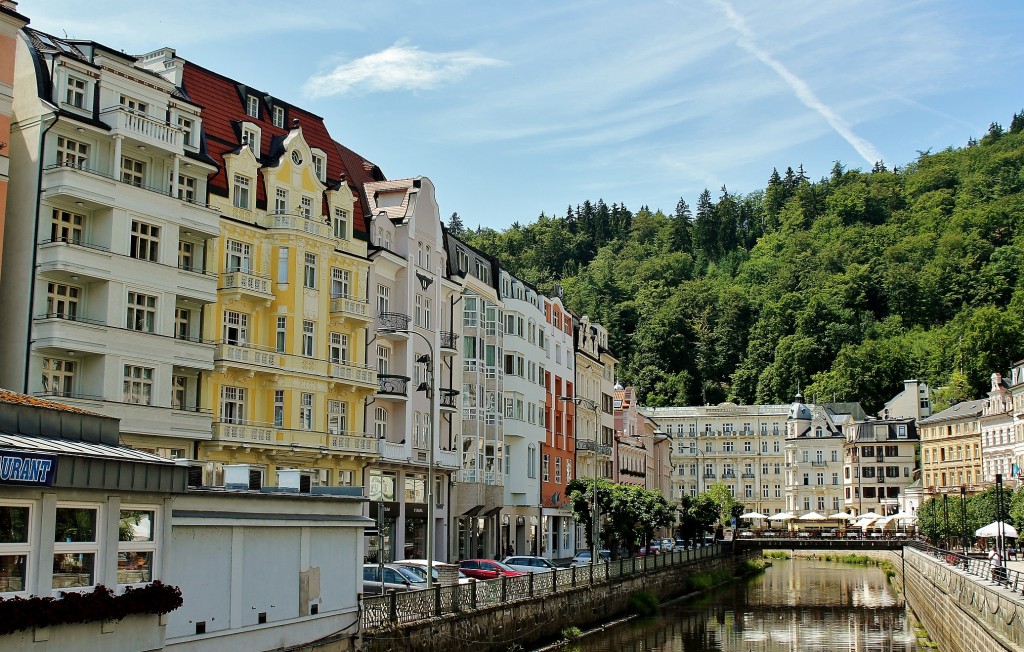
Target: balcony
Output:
{"points": [[819, 463], [98, 189], [393, 321], [247, 286], [393, 385], [585, 445], [242, 433], [70, 332], [748, 476], [354, 374], [449, 343], [446, 399], [604, 449], [143, 129], [159, 420], [709, 476], [391, 451], [343, 308], [296, 223], [75, 257], [447, 459], [728, 475], [246, 356]]}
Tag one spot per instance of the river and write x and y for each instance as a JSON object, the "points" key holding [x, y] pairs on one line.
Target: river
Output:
{"points": [[794, 605]]}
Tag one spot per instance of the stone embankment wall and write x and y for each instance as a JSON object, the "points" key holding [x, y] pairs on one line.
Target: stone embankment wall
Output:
{"points": [[962, 612], [522, 623]]}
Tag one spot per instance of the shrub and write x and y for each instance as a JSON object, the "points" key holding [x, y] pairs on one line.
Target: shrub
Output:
{"points": [[572, 633], [644, 603]]}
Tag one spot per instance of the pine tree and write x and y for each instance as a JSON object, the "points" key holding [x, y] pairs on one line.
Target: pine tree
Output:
{"points": [[455, 225], [1017, 124], [682, 237]]}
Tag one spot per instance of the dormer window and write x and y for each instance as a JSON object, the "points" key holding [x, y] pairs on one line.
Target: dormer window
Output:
{"points": [[187, 126], [319, 166], [278, 116], [75, 95], [251, 139], [341, 223], [252, 106]]}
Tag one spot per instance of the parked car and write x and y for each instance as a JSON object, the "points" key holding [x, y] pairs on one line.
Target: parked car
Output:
{"points": [[668, 545], [396, 578], [486, 569], [419, 566], [680, 545], [527, 564], [582, 557]]}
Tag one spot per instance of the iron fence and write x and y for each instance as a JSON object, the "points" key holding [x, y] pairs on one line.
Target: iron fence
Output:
{"points": [[978, 566], [395, 608]]}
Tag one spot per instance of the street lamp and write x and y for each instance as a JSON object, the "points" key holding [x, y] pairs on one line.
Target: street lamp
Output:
{"points": [[595, 528], [963, 517], [429, 388]]}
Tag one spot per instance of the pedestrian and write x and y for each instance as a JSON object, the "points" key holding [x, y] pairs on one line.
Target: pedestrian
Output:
{"points": [[996, 560]]}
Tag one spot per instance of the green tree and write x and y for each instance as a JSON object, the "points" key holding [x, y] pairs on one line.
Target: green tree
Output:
{"points": [[720, 495]]}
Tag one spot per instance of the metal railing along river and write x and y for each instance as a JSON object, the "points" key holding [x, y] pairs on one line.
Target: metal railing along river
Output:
{"points": [[980, 566], [395, 608]]}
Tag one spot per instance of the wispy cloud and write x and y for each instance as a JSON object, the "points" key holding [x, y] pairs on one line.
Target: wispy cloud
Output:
{"points": [[800, 88], [399, 67]]}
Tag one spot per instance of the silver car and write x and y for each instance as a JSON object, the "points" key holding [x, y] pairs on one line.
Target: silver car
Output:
{"points": [[529, 564], [396, 578]]}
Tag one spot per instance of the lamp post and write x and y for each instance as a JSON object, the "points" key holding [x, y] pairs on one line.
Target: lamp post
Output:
{"points": [[945, 516], [963, 517], [595, 528], [429, 388]]}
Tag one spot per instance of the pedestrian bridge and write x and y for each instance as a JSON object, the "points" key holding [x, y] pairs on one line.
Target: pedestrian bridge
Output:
{"points": [[745, 544]]}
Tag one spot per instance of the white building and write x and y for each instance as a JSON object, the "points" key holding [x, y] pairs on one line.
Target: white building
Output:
{"points": [[814, 460], [524, 400], [105, 277], [414, 304]]}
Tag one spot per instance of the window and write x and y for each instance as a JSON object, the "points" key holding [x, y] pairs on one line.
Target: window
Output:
{"points": [[252, 106], [141, 312], [309, 276], [306, 411], [558, 470], [71, 152], [308, 338], [279, 408], [239, 256], [75, 547], [338, 351], [240, 192], [281, 335], [251, 139], [62, 300], [66, 226], [546, 468], [307, 207], [75, 94], [426, 313], [134, 105], [340, 280], [145, 241], [531, 461], [136, 546], [236, 328], [138, 385], [185, 256], [58, 380], [383, 359], [318, 166], [280, 200], [340, 223], [182, 323], [337, 417], [380, 422], [568, 471], [277, 117], [179, 392], [383, 299], [282, 265], [232, 404], [133, 171], [14, 547], [187, 126]]}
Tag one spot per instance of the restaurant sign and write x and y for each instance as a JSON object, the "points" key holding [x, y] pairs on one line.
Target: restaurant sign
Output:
{"points": [[27, 469]]}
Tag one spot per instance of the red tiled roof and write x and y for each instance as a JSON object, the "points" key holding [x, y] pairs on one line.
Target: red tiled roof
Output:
{"points": [[7, 396], [223, 110]]}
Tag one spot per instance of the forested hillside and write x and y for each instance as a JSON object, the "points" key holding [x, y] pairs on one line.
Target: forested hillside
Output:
{"points": [[843, 286]]}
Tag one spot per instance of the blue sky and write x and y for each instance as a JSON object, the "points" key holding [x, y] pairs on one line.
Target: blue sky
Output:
{"points": [[517, 108]]}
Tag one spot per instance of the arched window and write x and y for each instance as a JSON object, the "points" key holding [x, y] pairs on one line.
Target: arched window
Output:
{"points": [[380, 422], [531, 461]]}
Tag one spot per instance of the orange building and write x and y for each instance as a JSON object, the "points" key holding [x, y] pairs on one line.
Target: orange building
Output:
{"points": [[10, 22], [559, 446]]}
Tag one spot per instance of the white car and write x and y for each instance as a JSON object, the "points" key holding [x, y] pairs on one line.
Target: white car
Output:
{"points": [[529, 564], [582, 557], [419, 566]]}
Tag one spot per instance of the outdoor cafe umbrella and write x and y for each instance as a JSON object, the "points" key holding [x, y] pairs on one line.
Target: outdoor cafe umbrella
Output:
{"points": [[812, 516], [752, 515], [782, 516], [996, 529], [841, 516]]}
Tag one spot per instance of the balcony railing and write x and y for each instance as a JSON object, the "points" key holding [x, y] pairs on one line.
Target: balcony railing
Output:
{"points": [[160, 190], [585, 444], [393, 321], [709, 476], [247, 282], [605, 450], [142, 127], [729, 475], [295, 222], [449, 340], [350, 307], [747, 476], [393, 385], [447, 398], [356, 374], [819, 463]]}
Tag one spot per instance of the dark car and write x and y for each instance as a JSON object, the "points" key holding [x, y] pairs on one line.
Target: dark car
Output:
{"points": [[486, 569]]}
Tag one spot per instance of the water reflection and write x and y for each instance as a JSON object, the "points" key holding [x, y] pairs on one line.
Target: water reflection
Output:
{"points": [[794, 605]]}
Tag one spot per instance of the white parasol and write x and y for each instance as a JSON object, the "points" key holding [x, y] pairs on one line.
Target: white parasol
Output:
{"points": [[752, 515], [782, 516], [996, 529], [812, 516]]}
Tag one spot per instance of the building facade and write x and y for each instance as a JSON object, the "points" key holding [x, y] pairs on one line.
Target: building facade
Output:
{"points": [[998, 435], [109, 271], [738, 445], [10, 22], [559, 444], [879, 465], [951, 449], [814, 460]]}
